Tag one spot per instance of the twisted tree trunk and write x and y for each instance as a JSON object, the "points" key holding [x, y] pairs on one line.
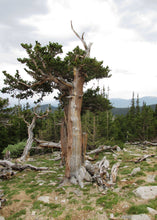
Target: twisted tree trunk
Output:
{"points": [[29, 140], [74, 149]]}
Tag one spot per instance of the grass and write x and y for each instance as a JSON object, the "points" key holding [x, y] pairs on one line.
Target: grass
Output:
{"points": [[65, 203], [137, 209], [17, 215], [108, 200]]}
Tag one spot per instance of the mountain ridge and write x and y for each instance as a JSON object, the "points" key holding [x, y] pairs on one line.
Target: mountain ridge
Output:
{"points": [[126, 103]]}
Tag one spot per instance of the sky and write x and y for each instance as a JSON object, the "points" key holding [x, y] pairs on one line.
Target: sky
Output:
{"points": [[123, 33]]}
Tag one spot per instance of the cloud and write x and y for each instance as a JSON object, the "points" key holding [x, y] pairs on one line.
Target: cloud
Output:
{"points": [[123, 35], [139, 15], [13, 31]]}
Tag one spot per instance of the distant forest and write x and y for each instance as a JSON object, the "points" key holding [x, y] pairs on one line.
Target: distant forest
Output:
{"points": [[103, 126]]}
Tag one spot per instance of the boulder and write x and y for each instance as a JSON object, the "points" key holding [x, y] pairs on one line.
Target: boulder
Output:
{"points": [[44, 199], [146, 192]]}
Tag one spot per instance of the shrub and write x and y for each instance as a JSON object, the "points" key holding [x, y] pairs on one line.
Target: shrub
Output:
{"points": [[15, 150]]}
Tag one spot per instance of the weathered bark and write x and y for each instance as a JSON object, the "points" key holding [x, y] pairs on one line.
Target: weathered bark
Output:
{"points": [[31, 126], [64, 135], [29, 140], [2, 200], [100, 172], [74, 138], [144, 158], [8, 172], [102, 148], [48, 144], [149, 143]]}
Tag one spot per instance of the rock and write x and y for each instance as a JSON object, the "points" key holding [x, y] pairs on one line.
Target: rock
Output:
{"points": [[152, 211], [116, 190], [33, 213], [118, 148], [146, 192], [111, 216], [101, 216], [63, 201], [135, 170], [2, 218], [151, 178], [140, 217], [136, 217], [44, 199], [78, 192]]}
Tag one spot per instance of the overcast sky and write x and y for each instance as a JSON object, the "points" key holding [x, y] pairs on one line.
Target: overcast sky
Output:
{"points": [[123, 32]]}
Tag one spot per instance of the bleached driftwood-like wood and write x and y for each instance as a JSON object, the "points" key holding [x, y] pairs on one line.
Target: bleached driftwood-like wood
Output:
{"points": [[100, 172], [149, 143], [143, 158], [102, 148], [48, 144], [20, 167]]}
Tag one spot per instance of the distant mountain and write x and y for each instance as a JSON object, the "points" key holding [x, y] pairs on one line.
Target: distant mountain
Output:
{"points": [[126, 103], [124, 111], [44, 107]]}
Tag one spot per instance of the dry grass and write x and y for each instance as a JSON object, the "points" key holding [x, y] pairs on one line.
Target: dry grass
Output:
{"points": [[72, 202]]}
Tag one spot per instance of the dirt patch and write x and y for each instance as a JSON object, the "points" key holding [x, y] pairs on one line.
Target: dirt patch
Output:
{"points": [[19, 201]]}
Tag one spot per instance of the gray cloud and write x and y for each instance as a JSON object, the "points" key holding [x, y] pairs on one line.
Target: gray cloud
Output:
{"points": [[12, 31], [133, 11], [12, 11]]}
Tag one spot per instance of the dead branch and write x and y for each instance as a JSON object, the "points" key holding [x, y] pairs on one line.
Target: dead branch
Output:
{"points": [[149, 143], [87, 47], [102, 148], [20, 167], [143, 158], [100, 172], [48, 144]]}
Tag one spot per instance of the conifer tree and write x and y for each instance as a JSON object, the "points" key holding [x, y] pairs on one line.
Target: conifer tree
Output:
{"points": [[68, 76]]}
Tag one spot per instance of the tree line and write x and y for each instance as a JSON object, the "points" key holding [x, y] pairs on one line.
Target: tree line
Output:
{"points": [[97, 119]]}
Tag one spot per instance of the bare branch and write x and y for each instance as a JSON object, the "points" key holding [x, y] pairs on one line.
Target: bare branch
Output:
{"points": [[87, 48]]}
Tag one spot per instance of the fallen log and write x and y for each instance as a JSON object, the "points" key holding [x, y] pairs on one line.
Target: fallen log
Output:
{"points": [[48, 144], [141, 158], [9, 167], [102, 148], [149, 143]]}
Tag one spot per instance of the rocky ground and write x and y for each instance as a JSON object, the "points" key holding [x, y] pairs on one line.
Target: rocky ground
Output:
{"points": [[37, 195]]}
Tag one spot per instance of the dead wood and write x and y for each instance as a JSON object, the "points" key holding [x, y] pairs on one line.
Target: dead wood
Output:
{"points": [[2, 200], [141, 158], [102, 148], [7, 171], [143, 143], [48, 144], [100, 172], [149, 143]]}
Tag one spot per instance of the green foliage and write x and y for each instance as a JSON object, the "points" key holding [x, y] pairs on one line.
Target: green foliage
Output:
{"points": [[15, 149], [138, 209], [17, 215], [95, 101], [108, 200]]}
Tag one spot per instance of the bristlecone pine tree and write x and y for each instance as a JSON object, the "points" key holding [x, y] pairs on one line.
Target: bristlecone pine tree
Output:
{"points": [[68, 76]]}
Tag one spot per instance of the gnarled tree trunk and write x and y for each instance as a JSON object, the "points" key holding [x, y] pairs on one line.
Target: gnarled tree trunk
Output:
{"points": [[74, 139], [29, 140]]}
